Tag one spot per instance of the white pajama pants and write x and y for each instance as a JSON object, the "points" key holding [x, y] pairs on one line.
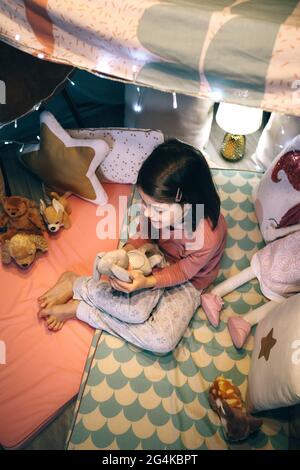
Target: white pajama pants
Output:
{"points": [[152, 319]]}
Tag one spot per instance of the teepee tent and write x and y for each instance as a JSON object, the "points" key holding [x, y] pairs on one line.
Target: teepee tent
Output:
{"points": [[130, 74]]}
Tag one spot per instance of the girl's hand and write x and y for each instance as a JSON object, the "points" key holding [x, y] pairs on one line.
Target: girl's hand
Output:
{"points": [[139, 282]]}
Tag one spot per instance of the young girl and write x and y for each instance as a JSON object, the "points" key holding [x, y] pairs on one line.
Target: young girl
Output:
{"points": [[153, 312]]}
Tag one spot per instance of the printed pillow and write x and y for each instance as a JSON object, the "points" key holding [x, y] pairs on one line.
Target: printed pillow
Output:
{"points": [[273, 380], [277, 196], [280, 130], [128, 150], [66, 164]]}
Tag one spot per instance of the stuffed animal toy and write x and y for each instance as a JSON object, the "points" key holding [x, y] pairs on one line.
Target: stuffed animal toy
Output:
{"points": [[280, 183], [20, 215], [277, 267], [226, 400], [57, 214], [116, 263], [22, 249]]}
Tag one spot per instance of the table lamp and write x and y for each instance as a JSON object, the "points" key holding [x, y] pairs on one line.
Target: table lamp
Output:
{"points": [[237, 121]]}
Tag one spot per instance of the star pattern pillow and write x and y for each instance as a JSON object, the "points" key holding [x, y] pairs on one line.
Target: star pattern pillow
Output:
{"points": [[67, 164], [273, 380]]}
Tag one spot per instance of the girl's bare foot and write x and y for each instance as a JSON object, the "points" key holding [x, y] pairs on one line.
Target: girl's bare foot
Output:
{"points": [[56, 315], [61, 292]]}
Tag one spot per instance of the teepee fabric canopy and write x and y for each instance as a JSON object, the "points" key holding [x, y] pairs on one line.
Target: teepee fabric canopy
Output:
{"points": [[243, 51]]}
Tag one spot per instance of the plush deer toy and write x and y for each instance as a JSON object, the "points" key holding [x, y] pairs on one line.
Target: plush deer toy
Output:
{"points": [[57, 214], [226, 400]]}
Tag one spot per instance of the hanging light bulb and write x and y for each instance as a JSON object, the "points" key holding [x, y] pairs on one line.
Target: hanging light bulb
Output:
{"points": [[41, 55], [22, 148], [16, 124], [71, 81], [17, 37], [174, 100], [38, 137], [37, 106]]}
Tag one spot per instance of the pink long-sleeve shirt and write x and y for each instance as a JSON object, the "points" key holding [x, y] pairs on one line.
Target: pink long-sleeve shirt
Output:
{"points": [[200, 265]]}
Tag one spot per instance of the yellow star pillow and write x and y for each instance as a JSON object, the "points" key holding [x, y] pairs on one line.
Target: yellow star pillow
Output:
{"points": [[67, 164]]}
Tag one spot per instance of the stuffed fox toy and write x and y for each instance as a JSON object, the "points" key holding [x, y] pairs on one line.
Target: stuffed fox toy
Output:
{"points": [[57, 214]]}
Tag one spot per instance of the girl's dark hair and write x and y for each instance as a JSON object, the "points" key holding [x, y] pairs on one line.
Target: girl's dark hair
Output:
{"points": [[176, 164]]}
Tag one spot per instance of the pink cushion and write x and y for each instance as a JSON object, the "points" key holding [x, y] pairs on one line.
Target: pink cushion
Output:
{"points": [[43, 370]]}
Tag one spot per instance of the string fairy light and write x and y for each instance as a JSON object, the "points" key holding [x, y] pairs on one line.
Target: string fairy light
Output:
{"points": [[174, 100], [22, 144], [137, 107], [35, 108], [71, 81], [17, 142]]}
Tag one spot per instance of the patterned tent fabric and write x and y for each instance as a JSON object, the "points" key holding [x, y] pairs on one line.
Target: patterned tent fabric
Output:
{"points": [[132, 399], [239, 51]]}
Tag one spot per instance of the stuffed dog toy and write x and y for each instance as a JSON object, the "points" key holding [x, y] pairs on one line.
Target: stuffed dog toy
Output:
{"points": [[116, 263], [57, 214], [20, 215], [22, 249], [226, 400]]}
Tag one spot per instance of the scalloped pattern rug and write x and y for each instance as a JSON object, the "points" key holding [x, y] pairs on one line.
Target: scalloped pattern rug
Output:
{"points": [[132, 399]]}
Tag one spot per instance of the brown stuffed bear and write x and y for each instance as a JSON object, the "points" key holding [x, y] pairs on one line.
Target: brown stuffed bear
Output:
{"points": [[22, 248], [20, 215]]}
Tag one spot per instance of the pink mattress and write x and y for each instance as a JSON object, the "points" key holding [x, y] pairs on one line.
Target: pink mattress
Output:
{"points": [[43, 370]]}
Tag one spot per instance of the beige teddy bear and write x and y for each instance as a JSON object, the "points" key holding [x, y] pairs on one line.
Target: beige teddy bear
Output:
{"points": [[22, 248]]}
